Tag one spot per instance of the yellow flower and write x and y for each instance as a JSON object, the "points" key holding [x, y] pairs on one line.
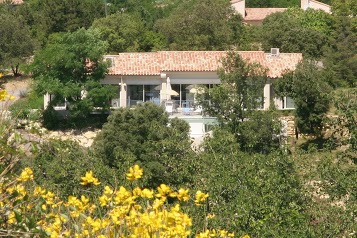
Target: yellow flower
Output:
{"points": [[245, 236], [25, 175], [135, 173], [147, 193], [163, 190], [200, 197], [39, 191], [137, 191], [108, 190], [183, 195], [103, 200], [89, 179], [11, 218], [210, 216], [4, 95]]}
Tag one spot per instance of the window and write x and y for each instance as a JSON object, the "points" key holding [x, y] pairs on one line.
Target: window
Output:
{"points": [[143, 93], [288, 103]]}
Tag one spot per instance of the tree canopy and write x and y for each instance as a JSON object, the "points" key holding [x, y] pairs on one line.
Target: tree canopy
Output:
{"points": [[71, 64], [209, 25], [310, 90], [146, 136], [296, 30], [16, 43]]}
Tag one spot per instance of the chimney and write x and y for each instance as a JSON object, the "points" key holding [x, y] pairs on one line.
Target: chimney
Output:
{"points": [[274, 52], [239, 6]]}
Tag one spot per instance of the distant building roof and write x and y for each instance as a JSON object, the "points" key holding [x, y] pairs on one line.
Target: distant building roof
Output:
{"points": [[259, 14], [15, 2], [154, 63]]}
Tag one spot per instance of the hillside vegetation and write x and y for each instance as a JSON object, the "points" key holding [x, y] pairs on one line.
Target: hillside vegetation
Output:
{"points": [[141, 177]]}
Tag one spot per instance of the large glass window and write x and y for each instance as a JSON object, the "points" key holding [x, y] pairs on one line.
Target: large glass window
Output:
{"points": [[152, 94], [115, 101], [143, 93]]}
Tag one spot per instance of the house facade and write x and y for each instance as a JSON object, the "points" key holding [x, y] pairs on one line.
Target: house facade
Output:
{"points": [[173, 78], [256, 16]]}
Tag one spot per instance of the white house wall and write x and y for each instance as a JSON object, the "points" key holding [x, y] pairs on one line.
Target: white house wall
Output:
{"points": [[193, 77], [179, 78]]}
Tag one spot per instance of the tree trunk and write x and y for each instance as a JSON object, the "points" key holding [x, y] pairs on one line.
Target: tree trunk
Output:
{"points": [[15, 70]]}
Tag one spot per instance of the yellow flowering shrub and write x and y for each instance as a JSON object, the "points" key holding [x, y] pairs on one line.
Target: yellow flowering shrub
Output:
{"points": [[27, 210], [5, 96]]}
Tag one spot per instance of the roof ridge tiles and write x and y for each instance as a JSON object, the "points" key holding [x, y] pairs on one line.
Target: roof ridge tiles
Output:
{"points": [[153, 63]]}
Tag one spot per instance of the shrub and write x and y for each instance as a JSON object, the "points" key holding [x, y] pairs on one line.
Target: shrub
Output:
{"points": [[28, 210]]}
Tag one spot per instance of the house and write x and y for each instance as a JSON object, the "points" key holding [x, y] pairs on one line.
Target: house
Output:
{"points": [[306, 4], [256, 16], [13, 2], [174, 76]]}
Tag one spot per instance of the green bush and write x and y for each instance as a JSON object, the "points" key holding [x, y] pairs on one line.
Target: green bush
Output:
{"points": [[28, 107]]}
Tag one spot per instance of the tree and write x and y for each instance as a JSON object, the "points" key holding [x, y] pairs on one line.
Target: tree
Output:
{"points": [[235, 102], [126, 33], [341, 55], [52, 16], [296, 30], [272, 3], [346, 105], [209, 25], [259, 195], [16, 43], [146, 136], [308, 88], [71, 64]]}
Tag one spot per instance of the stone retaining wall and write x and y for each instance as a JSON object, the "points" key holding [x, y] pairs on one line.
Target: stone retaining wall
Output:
{"points": [[289, 123]]}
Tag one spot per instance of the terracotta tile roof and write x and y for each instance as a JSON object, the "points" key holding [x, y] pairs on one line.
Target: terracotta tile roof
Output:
{"points": [[277, 65], [259, 14], [194, 61], [136, 64], [191, 60]]}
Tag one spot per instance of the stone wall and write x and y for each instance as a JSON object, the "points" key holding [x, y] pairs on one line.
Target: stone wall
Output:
{"points": [[288, 125]]}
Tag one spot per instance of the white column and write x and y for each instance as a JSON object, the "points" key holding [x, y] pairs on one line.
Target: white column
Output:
{"points": [[267, 96], [123, 93], [46, 100], [163, 89]]}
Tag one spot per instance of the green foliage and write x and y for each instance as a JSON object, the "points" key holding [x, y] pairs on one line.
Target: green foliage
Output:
{"points": [[308, 88], [51, 118], [260, 195], [272, 3], [212, 25], [296, 30], [235, 102], [142, 135], [341, 55], [59, 165], [346, 105], [339, 174], [240, 91], [15, 41], [23, 108], [52, 16], [126, 33], [70, 65], [261, 133], [278, 3]]}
